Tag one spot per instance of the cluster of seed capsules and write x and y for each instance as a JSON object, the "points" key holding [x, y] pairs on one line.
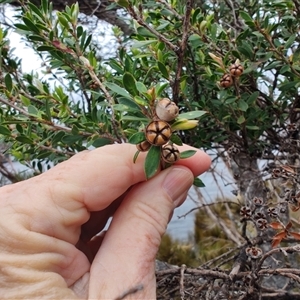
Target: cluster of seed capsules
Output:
{"points": [[158, 132], [235, 71]]}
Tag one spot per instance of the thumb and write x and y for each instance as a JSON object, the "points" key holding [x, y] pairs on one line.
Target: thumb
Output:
{"points": [[126, 258]]}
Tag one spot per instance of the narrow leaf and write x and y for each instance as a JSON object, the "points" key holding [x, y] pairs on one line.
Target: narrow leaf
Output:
{"points": [[140, 101], [118, 90], [241, 120], [30, 25], [176, 139], [101, 142], [247, 18], [152, 161], [136, 156], [8, 82], [32, 110], [198, 182], [4, 130], [243, 106], [163, 70], [141, 87], [192, 114], [187, 154], [129, 84], [137, 138]]}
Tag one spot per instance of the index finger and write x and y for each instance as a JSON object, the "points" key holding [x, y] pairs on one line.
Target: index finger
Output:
{"points": [[100, 176]]}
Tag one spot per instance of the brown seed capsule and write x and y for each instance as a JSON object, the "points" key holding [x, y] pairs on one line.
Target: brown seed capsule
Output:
{"points": [[158, 132], [143, 146], [166, 110], [226, 81], [170, 153], [236, 70]]}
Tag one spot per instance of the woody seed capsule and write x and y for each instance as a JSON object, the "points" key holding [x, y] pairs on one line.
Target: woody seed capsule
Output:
{"points": [[170, 153], [143, 146], [158, 132], [226, 81], [166, 110], [236, 70]]}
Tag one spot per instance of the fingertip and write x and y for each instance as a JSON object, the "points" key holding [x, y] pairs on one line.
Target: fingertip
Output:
{"points": [[198, 163]]}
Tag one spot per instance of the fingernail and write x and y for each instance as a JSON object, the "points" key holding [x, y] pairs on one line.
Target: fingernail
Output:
{"points": [[177, 182]]}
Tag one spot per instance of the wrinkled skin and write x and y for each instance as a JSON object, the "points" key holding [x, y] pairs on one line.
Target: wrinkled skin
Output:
{"points": [[49, 247]]}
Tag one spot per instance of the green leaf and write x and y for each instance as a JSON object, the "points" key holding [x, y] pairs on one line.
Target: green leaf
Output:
{"points": [[30, 25], [129, 84], [32, 110], [159, 88], [24, 139], [71, 139], [141, 44], [36, 10], [163, 70], [45, 48], [187, 154], [131, 105], [36, 38], [140, 101], [152, 161], [176, 139], [145, 32], [141, 87], [241, 120], [47, 110], [120, 107], [63, 21], [243, 106], [22, 27], [87, 42], [45, 6], [248, 20], [118, 90], [79, 31], [252, 127], [192, 114], [123, 3], [136, 156], [8, 82], [4, 130], [198, 182], [58, 137], [253, 97], [137, 138], [134, 118], [101, 142]]}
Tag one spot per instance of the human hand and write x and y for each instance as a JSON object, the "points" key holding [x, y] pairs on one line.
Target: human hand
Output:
{"points": [[48, 226]]}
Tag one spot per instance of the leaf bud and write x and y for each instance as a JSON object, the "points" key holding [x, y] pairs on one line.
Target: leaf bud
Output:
{"points": [[184, 124]]}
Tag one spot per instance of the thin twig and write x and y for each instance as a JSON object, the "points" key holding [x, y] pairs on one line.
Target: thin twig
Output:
{"points": [[25, 113], [161, 37], [204, 205], [181, 52], [182, 269]]}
